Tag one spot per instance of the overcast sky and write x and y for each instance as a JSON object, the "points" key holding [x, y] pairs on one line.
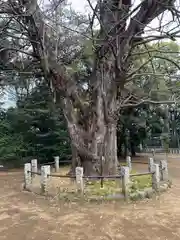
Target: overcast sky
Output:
{"points": [[78, 5], [82, 6]]}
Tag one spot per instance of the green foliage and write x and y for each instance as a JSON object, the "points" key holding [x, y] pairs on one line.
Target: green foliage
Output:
{"points": [[154, 82], [34, 129], [12, 147]]}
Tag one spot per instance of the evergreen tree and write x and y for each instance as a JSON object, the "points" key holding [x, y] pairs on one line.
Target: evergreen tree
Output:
{"points": [[44, 128], [33, 129]]}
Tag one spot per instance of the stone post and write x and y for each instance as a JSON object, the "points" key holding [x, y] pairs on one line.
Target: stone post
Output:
{"points": [[140, 147], [153, 152], [128, 161], [164, 170], [125, 181], [48, 170], [151, 165], [27, 175], [156, 177], [34, 167], [44, 173], [56, 160], [79, 179]]}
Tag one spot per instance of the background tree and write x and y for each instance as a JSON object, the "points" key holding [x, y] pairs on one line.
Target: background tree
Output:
{"points": [[34, 128], [146, 121]]}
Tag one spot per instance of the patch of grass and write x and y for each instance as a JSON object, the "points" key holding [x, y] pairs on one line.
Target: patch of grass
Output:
{"points": [[110, 187], [114, 186], [123, 164], [141, 182], [133, 171], [69, 196]]}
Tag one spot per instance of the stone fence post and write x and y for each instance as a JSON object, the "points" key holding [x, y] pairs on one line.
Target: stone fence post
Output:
{"points": [[27, 175], [153, 152], [164, 170], [128, 161], [156, 177], [44, 173], [125, 181], [140, 147], [151, 165], [48, 170], [34, 167], [79, 179], [56, 163]]}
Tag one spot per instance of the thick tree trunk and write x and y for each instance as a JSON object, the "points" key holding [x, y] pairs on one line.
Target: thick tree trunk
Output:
{"points": [[110, 150], [103, 145], [75, 160], [107, 153], [133, 151]]}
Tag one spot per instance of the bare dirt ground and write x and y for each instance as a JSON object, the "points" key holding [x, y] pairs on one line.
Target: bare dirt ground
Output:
{"points": [[25, 216]]}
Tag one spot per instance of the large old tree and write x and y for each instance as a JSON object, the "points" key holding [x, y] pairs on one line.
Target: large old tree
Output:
{"points": [[91, 112]]}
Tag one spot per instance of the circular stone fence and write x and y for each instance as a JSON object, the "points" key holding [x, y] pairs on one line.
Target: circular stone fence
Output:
{"points": [[128, 185]]}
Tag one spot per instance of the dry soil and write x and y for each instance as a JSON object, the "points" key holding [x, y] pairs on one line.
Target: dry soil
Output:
{"points": [[25, 216]]}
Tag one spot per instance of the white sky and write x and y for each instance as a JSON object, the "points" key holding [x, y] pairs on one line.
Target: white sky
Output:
{"points": [[79, 5], [82, 6]]}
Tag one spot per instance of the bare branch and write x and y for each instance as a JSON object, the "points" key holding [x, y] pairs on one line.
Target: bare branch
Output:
{"points": [[154, 51], [148, 101], [169, 60], [15, 50], [129, 77]]}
